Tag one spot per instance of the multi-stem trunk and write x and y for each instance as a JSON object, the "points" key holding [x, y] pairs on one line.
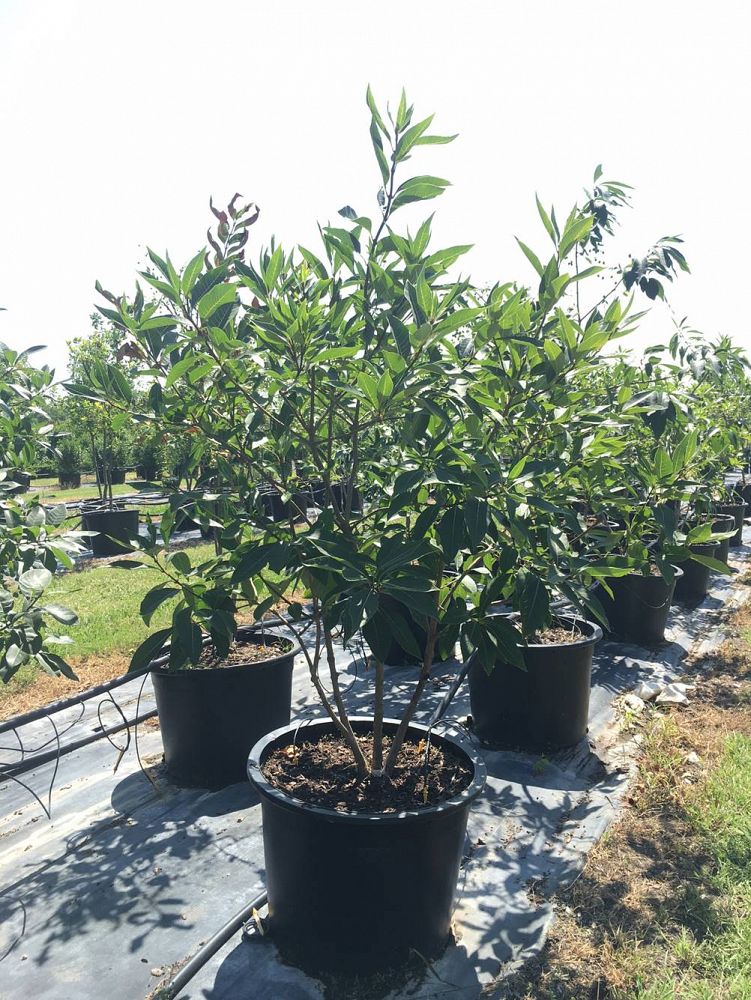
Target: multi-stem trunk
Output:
{"points": [[401, 731], [377, 758]]}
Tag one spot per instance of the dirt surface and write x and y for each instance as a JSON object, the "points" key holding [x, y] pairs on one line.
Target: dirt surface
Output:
{"points": [[324, 773], [556, 635], [648, 875], [245, 652], [91, 670]]}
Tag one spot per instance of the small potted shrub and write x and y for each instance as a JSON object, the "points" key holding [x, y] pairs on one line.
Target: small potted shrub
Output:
{"points": [[68, 464], [149, 457], [397, 823]]}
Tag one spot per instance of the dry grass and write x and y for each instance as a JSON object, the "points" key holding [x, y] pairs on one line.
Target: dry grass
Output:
{"points": [[91, 670], [648, 895]]}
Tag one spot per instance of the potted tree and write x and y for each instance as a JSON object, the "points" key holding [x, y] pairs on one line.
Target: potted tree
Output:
{"points": [[379, 367], [368, 369], [148, 455], [95, 373], [68, 464]]}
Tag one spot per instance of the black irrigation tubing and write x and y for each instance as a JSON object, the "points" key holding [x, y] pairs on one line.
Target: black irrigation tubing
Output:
{"points": [[16, 721], [181, 979], [9, 772]]}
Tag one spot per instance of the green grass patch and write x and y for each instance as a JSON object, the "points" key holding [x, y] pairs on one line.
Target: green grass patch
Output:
{"points": [[107, 602], [717, 965]]}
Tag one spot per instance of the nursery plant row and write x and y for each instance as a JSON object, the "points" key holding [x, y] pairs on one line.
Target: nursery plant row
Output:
{"points": [[379, 449]]}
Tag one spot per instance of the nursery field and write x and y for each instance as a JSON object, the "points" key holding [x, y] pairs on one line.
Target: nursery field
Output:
{"points": [[456, 701]]}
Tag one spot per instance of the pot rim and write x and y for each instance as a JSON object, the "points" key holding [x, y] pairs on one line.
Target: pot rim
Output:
{"points": [[157, 665], [640, 576], [587, 640], [281, 798], [88, 511]]}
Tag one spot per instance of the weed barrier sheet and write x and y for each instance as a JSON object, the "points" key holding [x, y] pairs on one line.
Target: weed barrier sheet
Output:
{"points": [[132, 874]]}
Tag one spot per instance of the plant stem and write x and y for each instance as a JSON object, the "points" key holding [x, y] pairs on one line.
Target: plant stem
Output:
{"points": [[401, 732], [377, 761]]}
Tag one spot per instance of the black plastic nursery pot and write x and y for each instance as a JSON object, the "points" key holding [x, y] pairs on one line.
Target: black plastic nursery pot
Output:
{"points": [[69, 480], [275, 507], [638, 610], [545, 706], [738, 512], [721, 524], [694, 581], [210, 718], [744, 492], [147, 472], [360, 892], [340, 495], [117, 476], [22, 480], [114, 527]]}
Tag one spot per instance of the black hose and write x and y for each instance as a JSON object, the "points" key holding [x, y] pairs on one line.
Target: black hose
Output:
{"points": [[16, 721], [7, 772], [212, 946]]}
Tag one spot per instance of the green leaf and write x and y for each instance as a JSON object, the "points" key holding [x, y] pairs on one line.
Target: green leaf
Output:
{"points": [[186, 637], [274, 268], [417, 601], [60, 613], [399, 627], [477, 519], [154, 599], [419, 189], [181, 561], [34, 581], [545, 220], [533, 601], [714, 564], [577, 232], [191, 272], [435, 140], [151, 646], [532, 257], [219, 295], [508, 639], [662, 464], [410, 137], [374, 110], [451, 532]]}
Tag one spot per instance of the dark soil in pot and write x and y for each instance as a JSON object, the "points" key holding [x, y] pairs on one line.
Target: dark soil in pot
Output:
{"points": [[361, 891], [210, 716], [114, 528], [694, 582], [546, 706], [738, 512], [638, 610]]}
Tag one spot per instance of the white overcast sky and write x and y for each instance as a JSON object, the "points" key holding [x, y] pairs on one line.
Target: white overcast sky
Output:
{"points": [[119, 119]]}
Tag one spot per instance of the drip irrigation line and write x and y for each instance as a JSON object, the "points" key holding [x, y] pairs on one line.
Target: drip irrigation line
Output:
{"points": [[16, 721], [10, 772], [212, 946]]}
